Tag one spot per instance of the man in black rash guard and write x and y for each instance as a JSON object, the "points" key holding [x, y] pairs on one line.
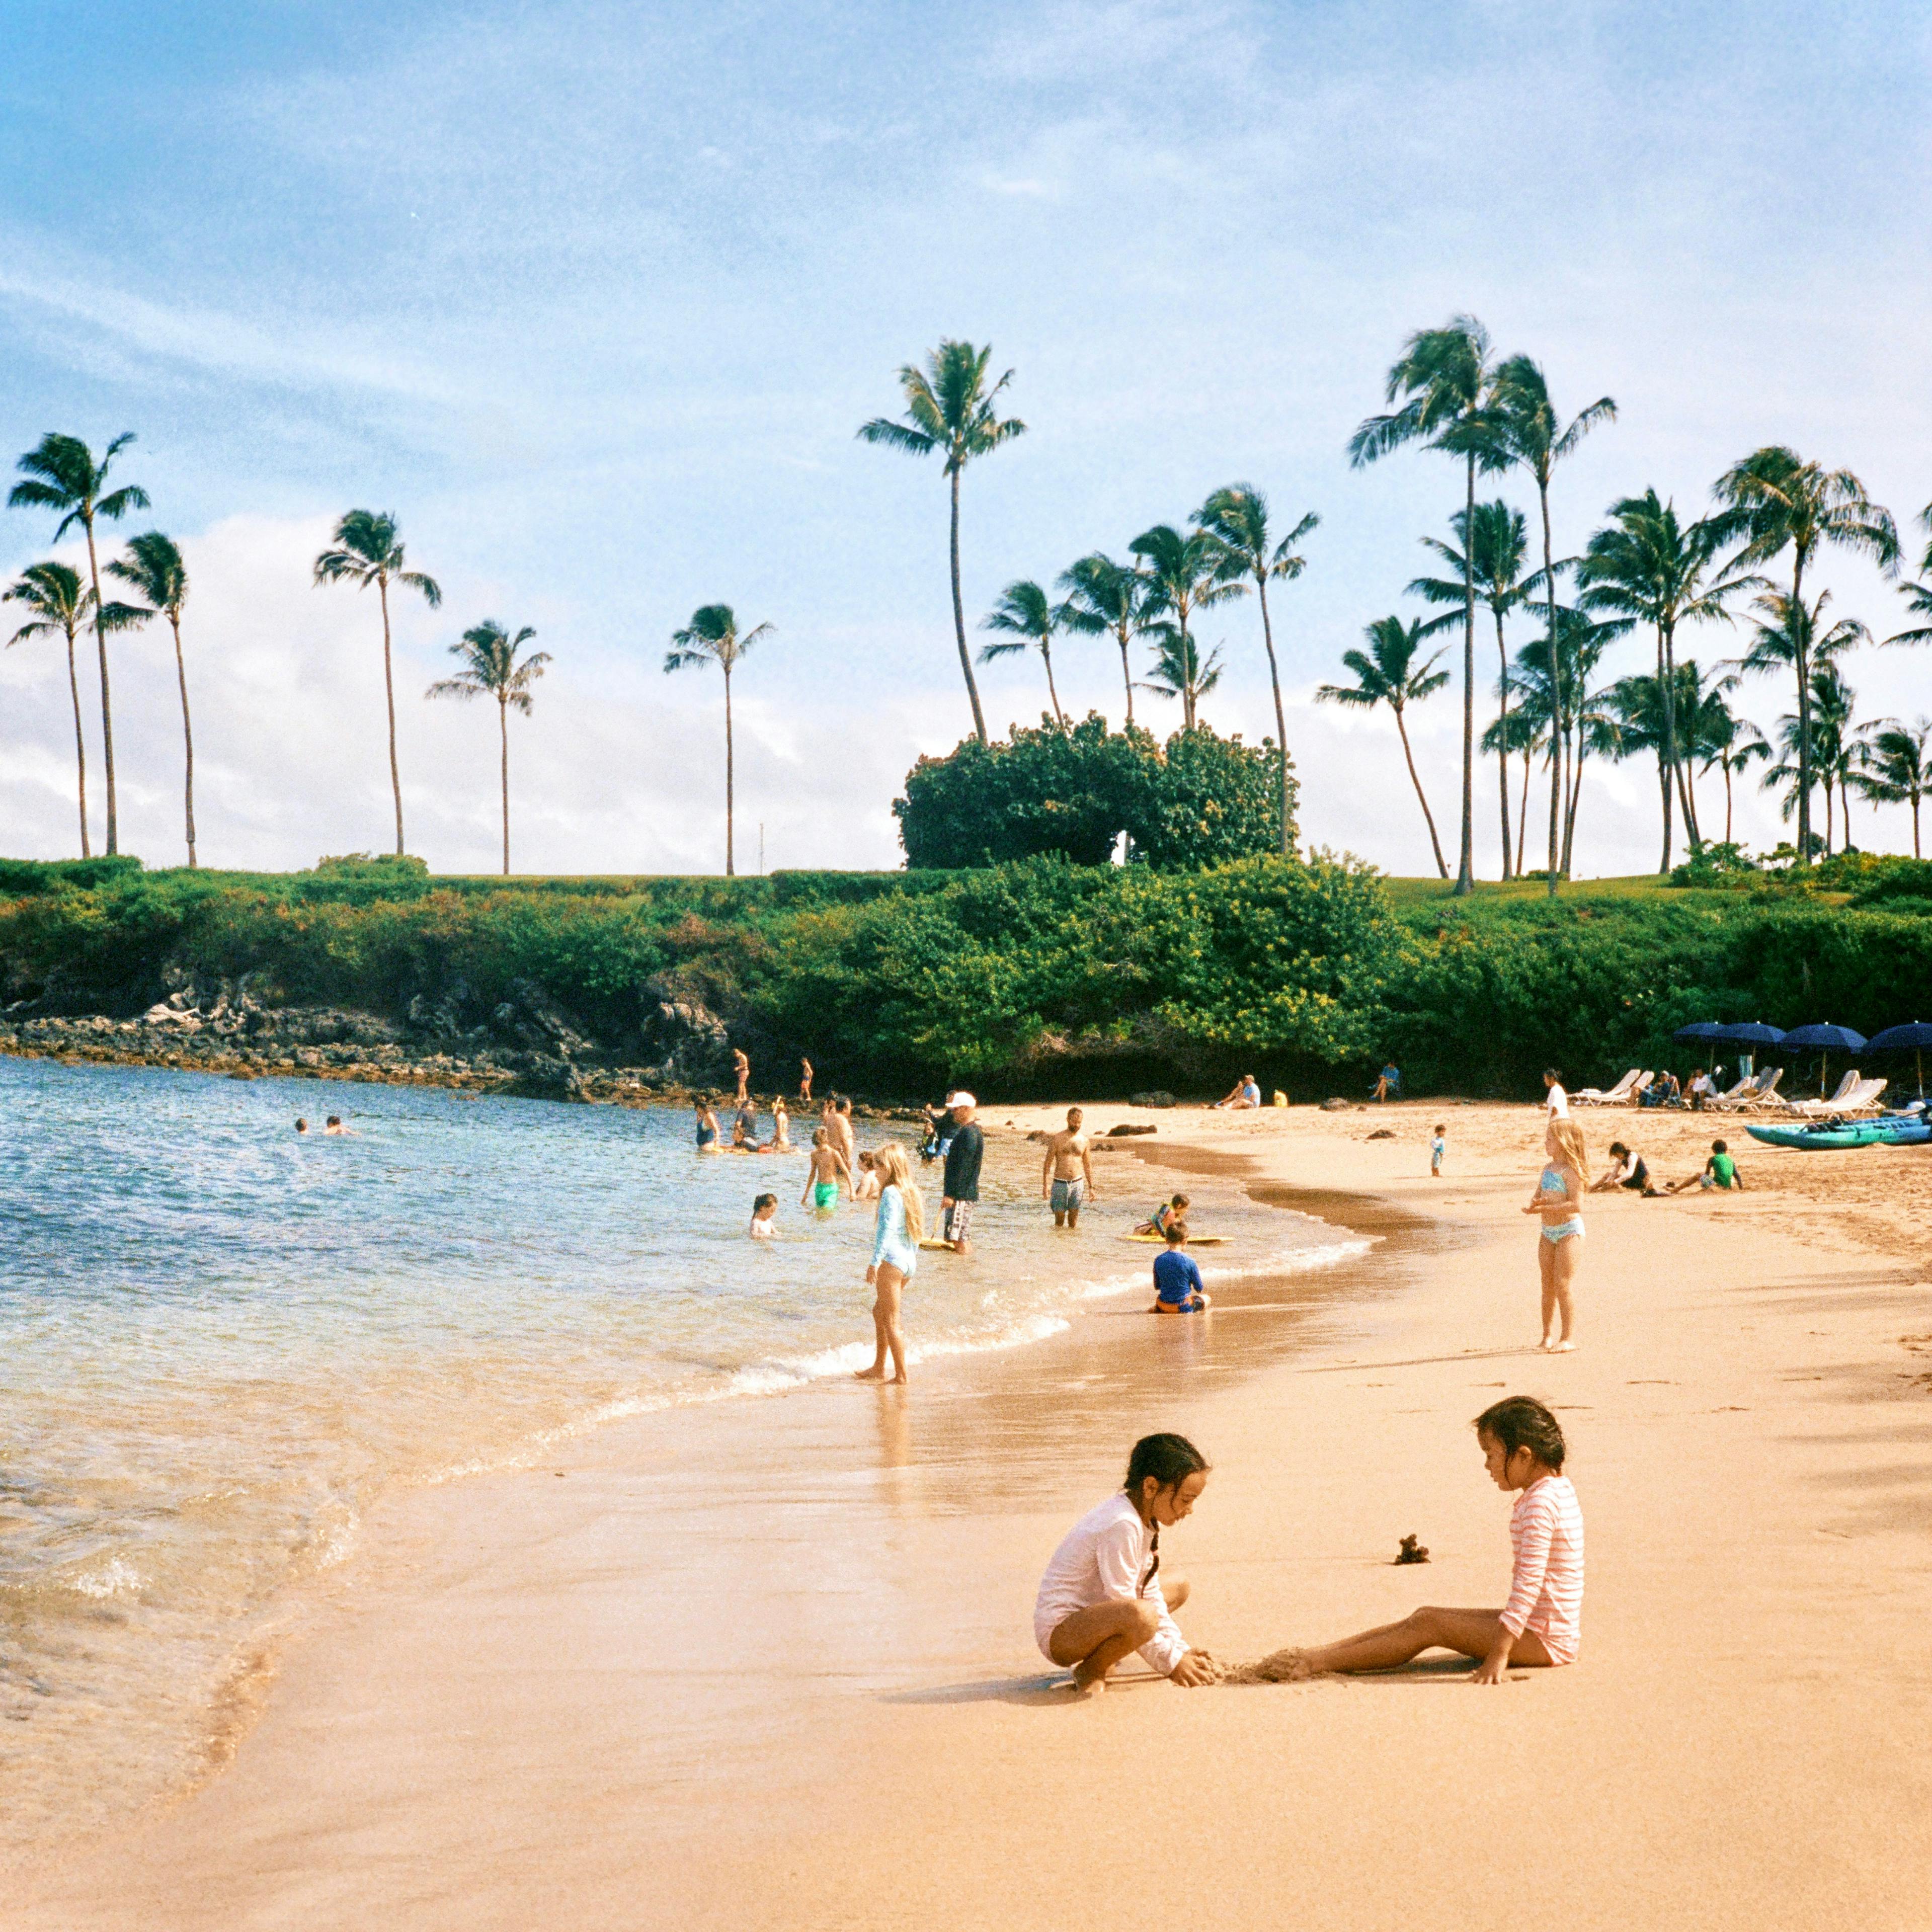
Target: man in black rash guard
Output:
{"points": [[962, 1175]]}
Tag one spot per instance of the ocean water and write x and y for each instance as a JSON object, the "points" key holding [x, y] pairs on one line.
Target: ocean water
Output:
{"points": [[219, 1343]]}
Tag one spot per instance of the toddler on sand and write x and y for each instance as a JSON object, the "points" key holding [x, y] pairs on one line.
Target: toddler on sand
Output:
{"points": [[1438, 1147], [1178, 1286]]}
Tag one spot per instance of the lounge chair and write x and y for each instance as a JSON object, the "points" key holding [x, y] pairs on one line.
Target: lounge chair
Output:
{"points": [[1748, 1085], [1623, 1094], [1854, 1096], [1761, 1091]]}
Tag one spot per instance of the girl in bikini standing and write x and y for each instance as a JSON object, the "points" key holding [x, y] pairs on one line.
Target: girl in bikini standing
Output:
{"points": [[1559, 1247]]}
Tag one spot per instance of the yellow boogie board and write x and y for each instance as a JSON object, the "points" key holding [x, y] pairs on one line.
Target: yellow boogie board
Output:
{"points": [[1193, 1240], [930, 1242]]}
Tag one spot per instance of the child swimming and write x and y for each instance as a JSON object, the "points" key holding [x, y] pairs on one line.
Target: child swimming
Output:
{"points": [[1102, 1595], [764, 1218], [821, 1179], [1178, 1286], [1541, 1624]]}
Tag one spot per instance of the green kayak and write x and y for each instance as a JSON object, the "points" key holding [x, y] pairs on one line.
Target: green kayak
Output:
{"points": [[1891, 1132]]}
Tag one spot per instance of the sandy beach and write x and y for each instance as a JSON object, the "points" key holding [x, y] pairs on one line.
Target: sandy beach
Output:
{"points": [[770, 1662]]}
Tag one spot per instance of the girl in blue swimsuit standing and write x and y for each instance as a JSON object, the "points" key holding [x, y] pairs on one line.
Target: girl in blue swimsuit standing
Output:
{"points": [[1559, 1248], [900, 1228]]}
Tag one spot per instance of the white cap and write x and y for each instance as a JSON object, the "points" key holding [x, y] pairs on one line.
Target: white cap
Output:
{"points": [[962, 1098]]}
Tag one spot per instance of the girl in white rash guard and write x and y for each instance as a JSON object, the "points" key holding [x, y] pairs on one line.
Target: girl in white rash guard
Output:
{"points": [[1102, 1595]]}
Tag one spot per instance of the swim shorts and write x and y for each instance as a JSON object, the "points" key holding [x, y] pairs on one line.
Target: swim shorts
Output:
{"points": [[959, 1221], [825, 1194], [1564, 1230], [1068, 1196]]}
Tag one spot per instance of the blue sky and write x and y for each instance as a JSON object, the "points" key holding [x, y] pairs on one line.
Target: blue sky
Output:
{"points": [[595, 298]]}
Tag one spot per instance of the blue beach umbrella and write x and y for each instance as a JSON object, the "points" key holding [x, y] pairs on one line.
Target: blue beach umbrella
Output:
{"points": [[1914, 1036], [1754, 1034], [1697, 1032], [1825, 1039]]}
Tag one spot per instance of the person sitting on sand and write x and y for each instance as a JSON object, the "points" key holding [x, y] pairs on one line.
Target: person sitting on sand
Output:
{"points": [[1245, 1093], [707, 1124], [1630, 1171], [764, 1218], [896, 1234], [1102, 1596], [1178, 1289], [1720, 1170], [865, 1182], [1561, 1187], [1542, 1623], [1388, 1084], [821, 1179], [1162, 1215], [1702, 1087], [1066, 1173]]}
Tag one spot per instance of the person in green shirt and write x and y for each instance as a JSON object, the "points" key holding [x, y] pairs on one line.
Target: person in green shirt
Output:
{"points": [[1720, 1170]]}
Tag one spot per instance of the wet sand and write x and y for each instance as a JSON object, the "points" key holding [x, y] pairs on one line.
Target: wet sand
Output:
{"points": [[771, 1663]]}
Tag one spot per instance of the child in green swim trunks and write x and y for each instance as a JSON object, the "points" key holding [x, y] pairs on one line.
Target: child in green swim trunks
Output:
{"points": [[821, 1179]]}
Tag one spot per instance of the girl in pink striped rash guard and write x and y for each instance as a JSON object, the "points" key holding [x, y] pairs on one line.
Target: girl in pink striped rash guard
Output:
{"points": [[1542, 1623]]}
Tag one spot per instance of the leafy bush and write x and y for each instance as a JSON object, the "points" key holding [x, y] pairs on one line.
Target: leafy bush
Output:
{"points": [[1202, 800]]}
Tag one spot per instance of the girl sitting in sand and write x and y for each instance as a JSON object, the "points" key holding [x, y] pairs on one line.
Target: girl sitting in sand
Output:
{"points": [[1559, 1248], [897, 1233], [1102, 1595], [1542, 1623]]}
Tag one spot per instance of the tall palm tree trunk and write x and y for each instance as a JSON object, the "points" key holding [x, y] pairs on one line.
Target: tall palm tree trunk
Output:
{"points": [[187, 735], [1556, 683], [959, 631], [1522, 807], [1428, 817], [1663, 787], [1914, 825], [503, 731], [1570, 807], [1502, 745], [1726, 763], [106, 705], [1687, 796], [389, 692], [730, 866], [1127, 673], [1802, 655], [1280, 715], [1046, 655], [1667, 751], [1466, 869], [80, 745]]}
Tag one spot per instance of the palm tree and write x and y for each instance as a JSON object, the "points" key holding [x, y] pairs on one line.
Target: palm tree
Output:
{"points": [[1776, 500], [1825, 728], [1105, 597], [1180, 672], [712, 637], [1027, 619], [488, 655], [1647, 714], [1713, 734], [1648, 566], [153, 567], [1918, 596], [368, 550], [1526, 426], [53, 591], [1444, 374], [1898, 768], [1387, 673], [1182, 578], [61, 474], [1494, 561], [1572, 718], [949, 409], [1237, 518], [1515, 731]]}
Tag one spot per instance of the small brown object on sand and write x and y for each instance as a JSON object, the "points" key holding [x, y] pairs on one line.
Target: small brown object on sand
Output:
{"points": [[1411, 1552]]}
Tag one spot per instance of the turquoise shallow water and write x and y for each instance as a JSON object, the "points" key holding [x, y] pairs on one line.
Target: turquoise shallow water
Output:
{"points": [[219, 1342]]}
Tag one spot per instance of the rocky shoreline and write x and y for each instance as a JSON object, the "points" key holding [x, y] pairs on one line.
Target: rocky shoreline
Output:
{"points": [[525, 1045]]}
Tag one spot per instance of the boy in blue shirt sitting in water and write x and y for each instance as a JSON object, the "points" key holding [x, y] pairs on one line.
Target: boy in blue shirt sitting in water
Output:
{"points": [[1177, 1288]]}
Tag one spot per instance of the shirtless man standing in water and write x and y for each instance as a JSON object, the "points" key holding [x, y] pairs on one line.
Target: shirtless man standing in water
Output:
{"points": [[1067, 1174]]}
